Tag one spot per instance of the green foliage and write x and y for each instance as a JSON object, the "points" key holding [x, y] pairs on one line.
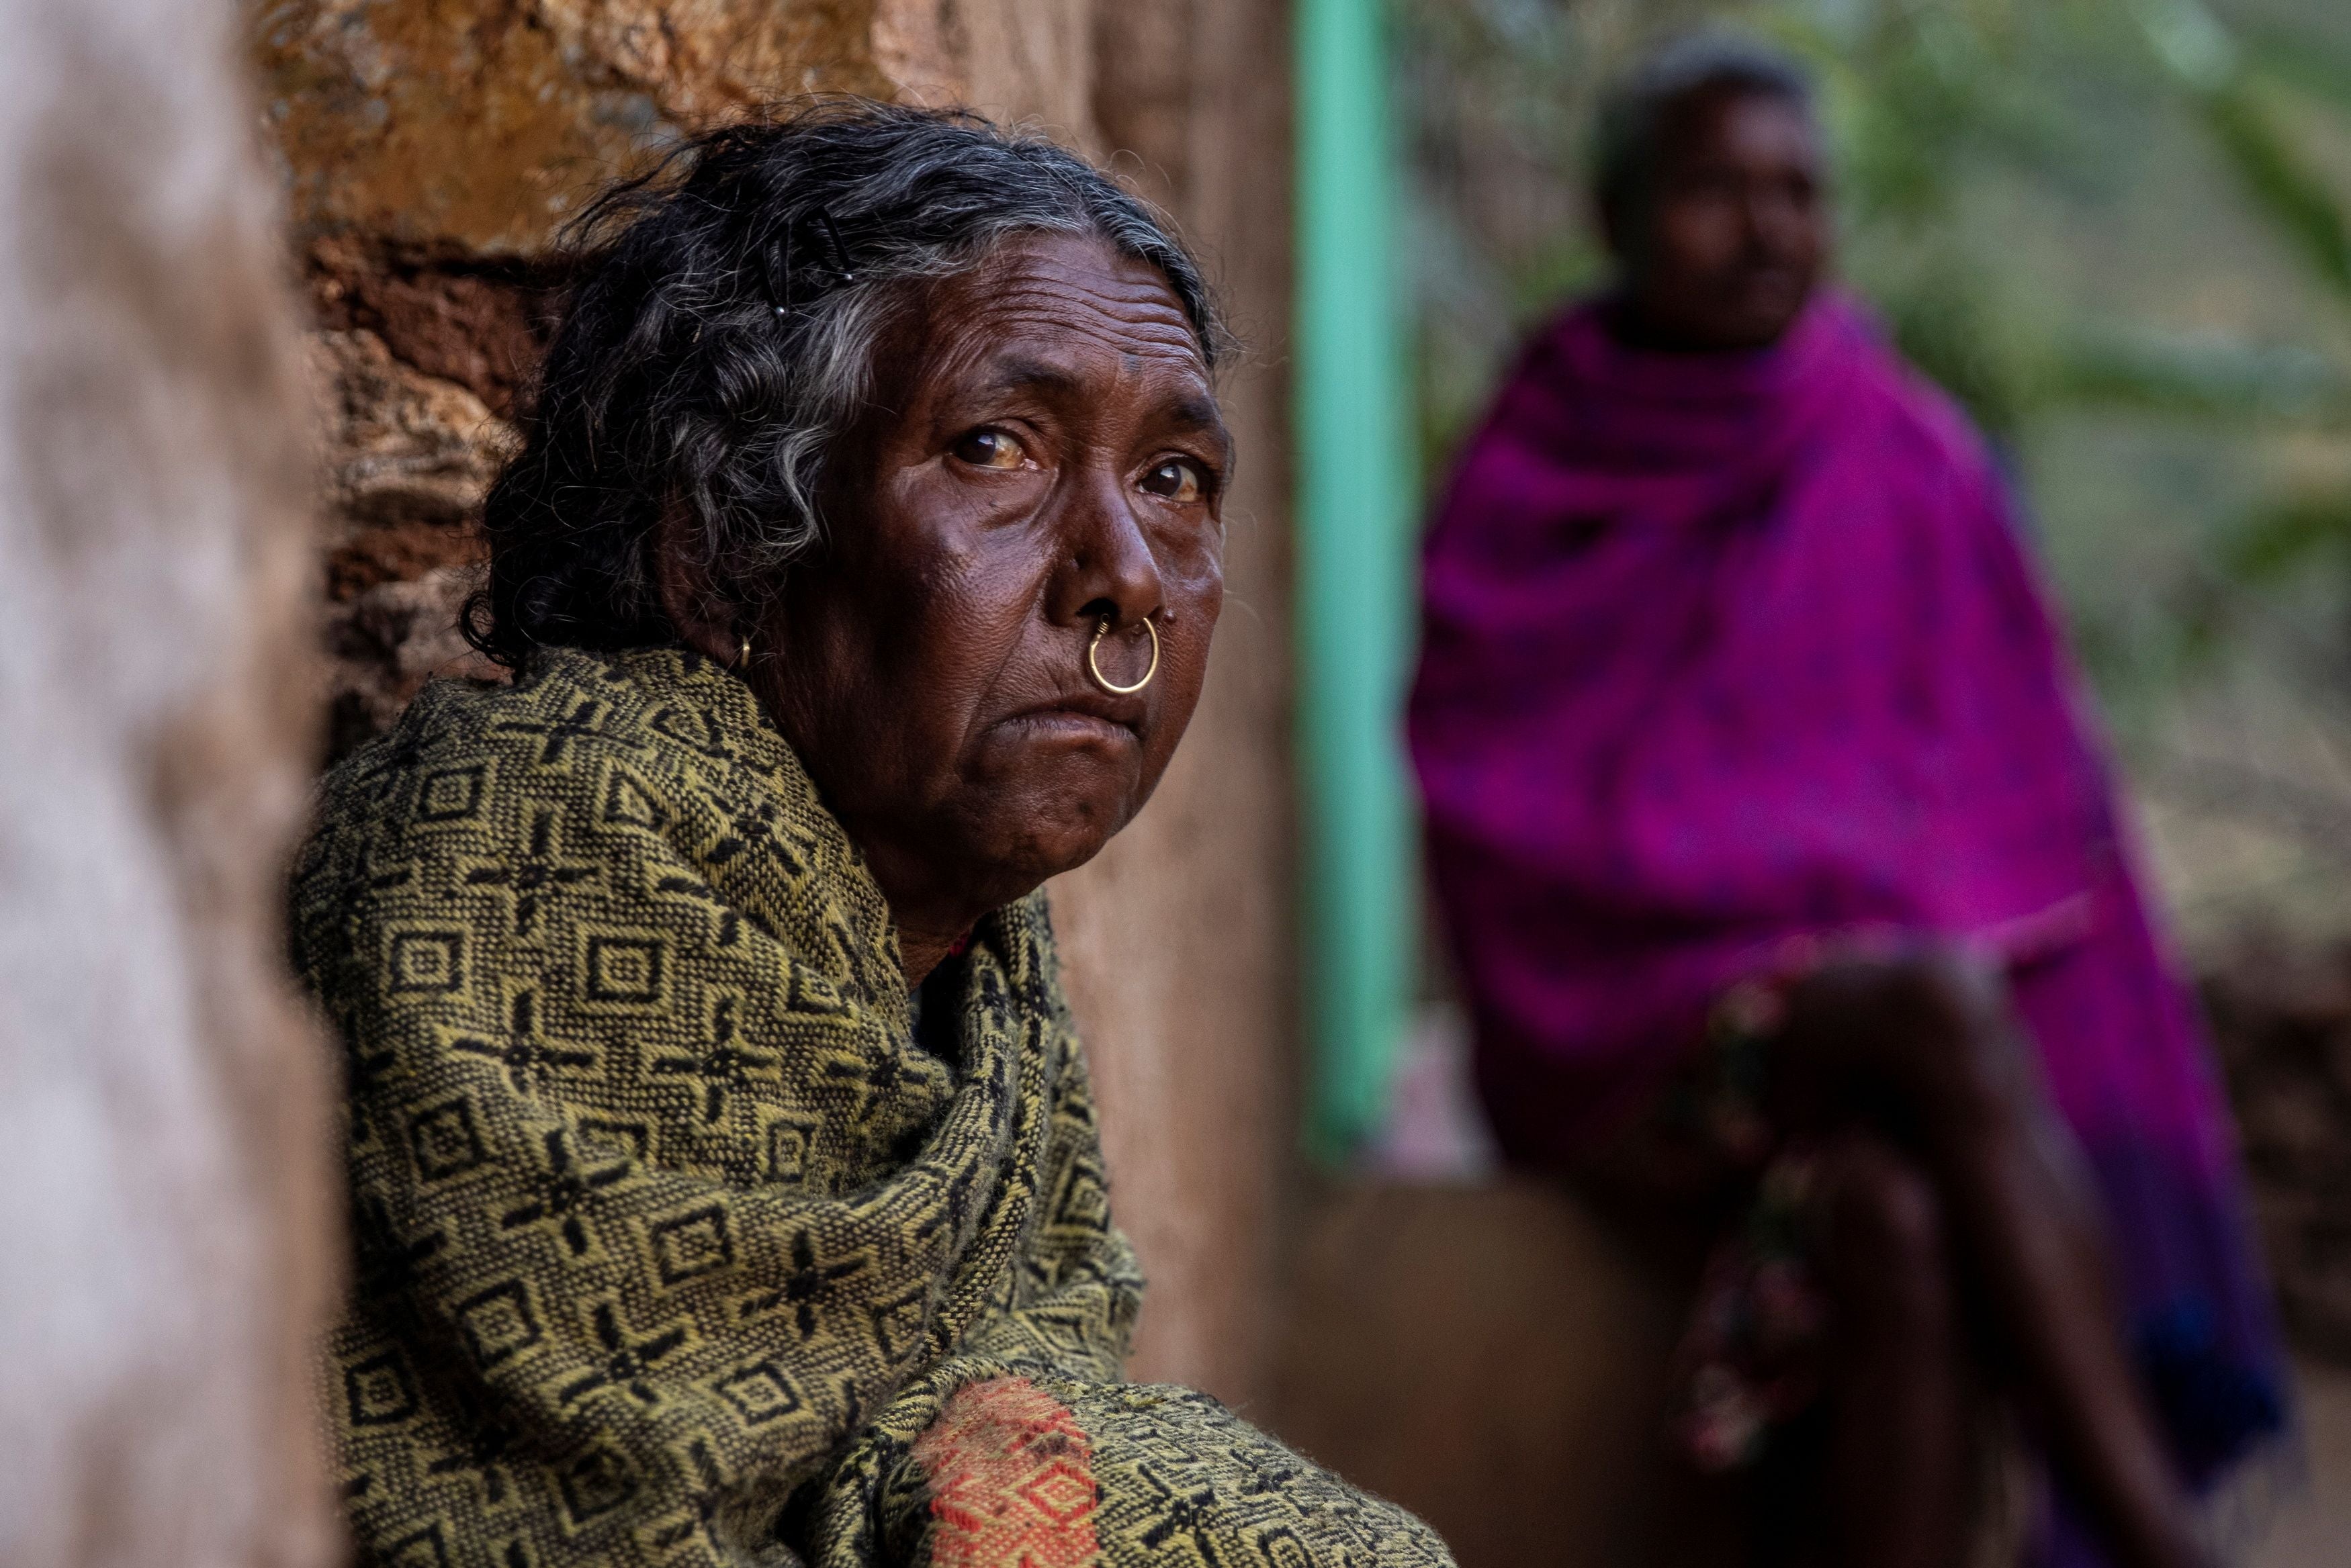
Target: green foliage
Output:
{"points": [[2293, 196], [2284, 538], [2251, 384], [1980, 146], [2244, 91], [1949, 321], [2305, 64]]}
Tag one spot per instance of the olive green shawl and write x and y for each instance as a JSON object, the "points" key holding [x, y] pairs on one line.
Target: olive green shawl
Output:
{"points": [[674, 1246]]}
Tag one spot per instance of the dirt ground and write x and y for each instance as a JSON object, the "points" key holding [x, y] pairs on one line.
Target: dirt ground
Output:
{"points": [[1473, 1346], [2312, 1525], [1479, 1351]]}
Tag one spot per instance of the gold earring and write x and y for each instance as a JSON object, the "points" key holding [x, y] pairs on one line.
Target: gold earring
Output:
{"points": [[1104, 681], [743, 655]]}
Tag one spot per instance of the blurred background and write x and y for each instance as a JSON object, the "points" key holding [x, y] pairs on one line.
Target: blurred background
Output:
{"points": [[2118, 230]]}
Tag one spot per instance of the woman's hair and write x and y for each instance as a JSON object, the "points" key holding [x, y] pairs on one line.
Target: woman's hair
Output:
{"points": [[1635, 114], [719, 341]]}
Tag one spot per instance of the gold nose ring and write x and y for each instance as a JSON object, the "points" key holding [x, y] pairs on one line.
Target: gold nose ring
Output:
{"points": [[1104, 681]]}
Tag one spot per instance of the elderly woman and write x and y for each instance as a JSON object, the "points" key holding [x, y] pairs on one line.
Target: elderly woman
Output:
{"points": [[1790, 893], [725, 1175]]}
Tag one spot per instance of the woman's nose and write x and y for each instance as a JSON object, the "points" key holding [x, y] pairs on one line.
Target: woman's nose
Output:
{"points": [[1107, 568], [1776, 220]]}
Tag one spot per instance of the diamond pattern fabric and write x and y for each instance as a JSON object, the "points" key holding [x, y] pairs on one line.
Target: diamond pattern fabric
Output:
{"points": [[674, 1246]]}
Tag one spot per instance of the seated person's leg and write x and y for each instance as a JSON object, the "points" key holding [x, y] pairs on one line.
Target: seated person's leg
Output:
{"points": [[1901, 1444], [1929, 1044]]}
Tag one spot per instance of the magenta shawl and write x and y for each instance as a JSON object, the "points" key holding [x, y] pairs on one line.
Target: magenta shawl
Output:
{"points": [[1724, 649]]}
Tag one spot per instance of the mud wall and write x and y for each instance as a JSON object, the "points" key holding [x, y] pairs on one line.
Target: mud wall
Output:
{"points": [[431, 149], [1181, 932]]}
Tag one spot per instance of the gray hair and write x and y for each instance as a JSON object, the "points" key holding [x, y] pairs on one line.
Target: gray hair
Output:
{"points": [[1636, 112], [721, 338]]}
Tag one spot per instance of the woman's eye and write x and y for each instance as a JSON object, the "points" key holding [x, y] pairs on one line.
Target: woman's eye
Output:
{"points": [[1175, 481], [990, 449]]}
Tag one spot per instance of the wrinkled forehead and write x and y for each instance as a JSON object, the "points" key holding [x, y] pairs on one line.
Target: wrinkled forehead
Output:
{"points": [[1066, 307]]}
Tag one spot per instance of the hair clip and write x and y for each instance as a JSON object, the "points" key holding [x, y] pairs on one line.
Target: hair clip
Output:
{"points": [[776, 273], [840, 266], [775, 261]]}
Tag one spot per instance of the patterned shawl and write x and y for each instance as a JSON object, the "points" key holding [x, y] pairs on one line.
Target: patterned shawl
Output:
{"points": [[673, 1245]]}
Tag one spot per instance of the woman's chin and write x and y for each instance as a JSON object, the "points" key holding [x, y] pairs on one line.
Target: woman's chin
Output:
{"points": [[1046, 832]]}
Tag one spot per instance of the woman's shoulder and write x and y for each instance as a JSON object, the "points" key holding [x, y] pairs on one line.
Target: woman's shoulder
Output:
{"points": [[587, 759], [647, 781], [1905, 412], [627, 727]]}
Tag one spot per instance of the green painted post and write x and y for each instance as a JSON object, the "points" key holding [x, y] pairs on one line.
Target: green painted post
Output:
{"points": [[1356, 497]]}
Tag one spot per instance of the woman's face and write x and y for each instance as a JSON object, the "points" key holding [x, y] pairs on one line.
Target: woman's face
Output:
{"points": [[1046, 455], [1736, 231]]}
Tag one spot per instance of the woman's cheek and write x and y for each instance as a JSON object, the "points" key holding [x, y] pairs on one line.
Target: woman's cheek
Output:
{"points": [[1192, 565]]}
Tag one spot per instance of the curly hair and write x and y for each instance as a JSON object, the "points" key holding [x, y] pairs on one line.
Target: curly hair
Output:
{"points": [[719, 339]]}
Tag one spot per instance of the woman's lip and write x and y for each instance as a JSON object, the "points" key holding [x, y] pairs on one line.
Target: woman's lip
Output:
{"points": [[1126, 712], [1073, 721]]}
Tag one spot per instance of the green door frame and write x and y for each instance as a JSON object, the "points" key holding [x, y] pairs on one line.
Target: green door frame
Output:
{"points": [[1357, 494]]}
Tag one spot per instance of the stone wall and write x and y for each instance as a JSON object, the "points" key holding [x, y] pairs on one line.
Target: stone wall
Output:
{"points": [[166, 1222], [433, 148]]}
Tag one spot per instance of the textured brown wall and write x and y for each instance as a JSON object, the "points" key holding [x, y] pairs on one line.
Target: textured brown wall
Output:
{"points": [[165, 1226], [472, 128], [431, 148], [1181, 932]]}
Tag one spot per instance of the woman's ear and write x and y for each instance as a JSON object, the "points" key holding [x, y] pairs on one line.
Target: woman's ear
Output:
{"points": [[704, 617]]}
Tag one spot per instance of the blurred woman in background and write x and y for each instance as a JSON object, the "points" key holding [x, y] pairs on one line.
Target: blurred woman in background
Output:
{"points": [[1788, 891]]}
